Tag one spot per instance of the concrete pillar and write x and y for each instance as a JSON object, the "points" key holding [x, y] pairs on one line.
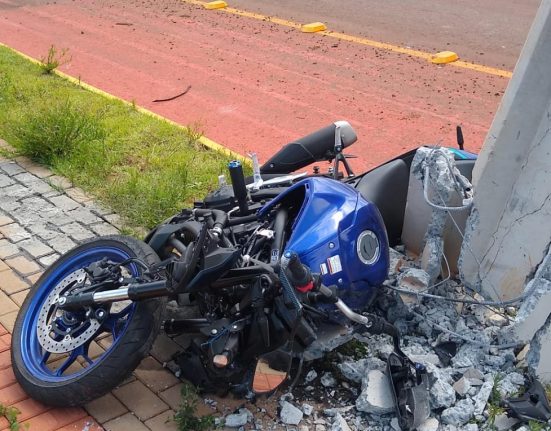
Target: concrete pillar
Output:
{"points": [[509, 229]]}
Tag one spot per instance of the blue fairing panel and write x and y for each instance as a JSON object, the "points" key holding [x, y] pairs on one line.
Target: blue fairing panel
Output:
{"points": [[326, 231]]}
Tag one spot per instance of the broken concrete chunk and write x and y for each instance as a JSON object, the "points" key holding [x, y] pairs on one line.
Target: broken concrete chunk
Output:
{"points": [[328, 380], [442, 394], [236, 420], [289, 414], [376, 397], [339, 424], [510, 384], [459, 414], [495, 319], [462, 386], [311, 376], [307, 409], [468, 356], [431, 424], [481, 399], [429, 358], [332, 412], [502, 422], [473, 373], [412, 279], [354, 371]]}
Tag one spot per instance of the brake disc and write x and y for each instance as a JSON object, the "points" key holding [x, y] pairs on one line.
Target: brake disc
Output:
{"points": [[47, 319]]}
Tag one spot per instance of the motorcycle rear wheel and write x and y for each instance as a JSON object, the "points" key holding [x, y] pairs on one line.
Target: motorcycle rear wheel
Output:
{"points": [[85, 372]]}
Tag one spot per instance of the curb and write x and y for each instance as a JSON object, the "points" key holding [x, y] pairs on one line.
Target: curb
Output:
{"points": [[206, 142]]}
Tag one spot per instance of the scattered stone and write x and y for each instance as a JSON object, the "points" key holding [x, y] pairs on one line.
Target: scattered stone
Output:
{"points": [[236, 420], [473, 373], [328, 380], [430, 358], [288, 396], [431, 424], [332, 412], [442, 394], [339, 424], [376, 397], [495, 319], [354, 371], [521, 356], [307, 409], [459, 414], [414, 279], [468, 356], [289, 414], [311, 376], [481, 399], [502, 422], [462, 386], [470, 427], [510, 384]]}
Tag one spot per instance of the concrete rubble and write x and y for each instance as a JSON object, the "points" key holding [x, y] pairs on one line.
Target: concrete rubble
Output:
{"points": [[348, 389], [351, 391]]}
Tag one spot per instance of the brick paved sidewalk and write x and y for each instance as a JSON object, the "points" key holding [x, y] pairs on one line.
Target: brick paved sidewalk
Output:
{"points": [[42, 216]]}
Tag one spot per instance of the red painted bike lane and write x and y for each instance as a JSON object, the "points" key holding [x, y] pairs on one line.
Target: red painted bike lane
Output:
{"points": [[255, 85]]}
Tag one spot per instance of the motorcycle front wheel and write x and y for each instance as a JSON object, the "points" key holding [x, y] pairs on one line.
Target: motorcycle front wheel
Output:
{"points": [[70, 358]]}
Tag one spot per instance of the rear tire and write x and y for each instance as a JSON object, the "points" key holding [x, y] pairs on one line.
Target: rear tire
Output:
{"points": [[133, 333]]}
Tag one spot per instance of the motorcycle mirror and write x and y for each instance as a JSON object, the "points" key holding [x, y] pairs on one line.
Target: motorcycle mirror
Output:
{"points": [[266, 377]]}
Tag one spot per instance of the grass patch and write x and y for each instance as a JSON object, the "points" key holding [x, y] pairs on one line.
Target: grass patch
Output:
{"points": [[354, 348], [54, 59], [186, 418], [10, 414], [143, 168]]}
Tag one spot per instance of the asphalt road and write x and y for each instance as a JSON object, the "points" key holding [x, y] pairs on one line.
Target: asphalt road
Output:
{"points": [[490, 32], [257, 85]]}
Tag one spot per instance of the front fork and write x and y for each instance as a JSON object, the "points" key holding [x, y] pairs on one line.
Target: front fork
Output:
{"points": [[132, 291]]}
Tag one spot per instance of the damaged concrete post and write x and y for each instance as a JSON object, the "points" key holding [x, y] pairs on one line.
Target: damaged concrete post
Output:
{"points": [[508, 232], [533, 322], [437, 177], [540, 352]]}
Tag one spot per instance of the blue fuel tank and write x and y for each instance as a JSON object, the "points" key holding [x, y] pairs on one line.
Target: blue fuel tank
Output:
{"points": [[338, 234]]}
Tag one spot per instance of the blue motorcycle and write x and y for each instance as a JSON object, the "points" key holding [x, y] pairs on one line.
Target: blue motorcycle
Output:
{"points": [[264, 263]]}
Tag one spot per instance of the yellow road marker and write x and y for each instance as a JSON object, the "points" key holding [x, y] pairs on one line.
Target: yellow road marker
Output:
{"points": [[444, 57], [313, 27], [203, 140], [217, 4], [362, 41]]}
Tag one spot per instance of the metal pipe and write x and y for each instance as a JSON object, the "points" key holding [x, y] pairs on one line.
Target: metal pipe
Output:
{"points": [[111, 295], [279, 235], [355, 317]]}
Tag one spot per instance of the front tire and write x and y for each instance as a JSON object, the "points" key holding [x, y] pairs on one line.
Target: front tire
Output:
{"points": [[80, 377]]}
